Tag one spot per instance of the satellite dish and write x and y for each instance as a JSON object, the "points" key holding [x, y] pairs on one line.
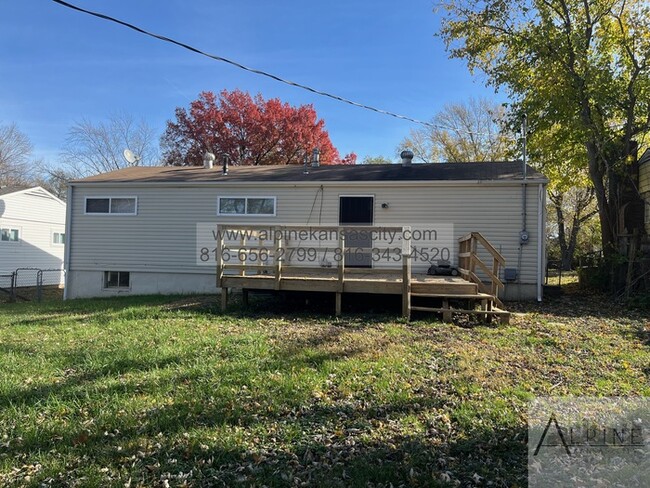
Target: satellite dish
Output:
{"points": [[130, 157]]}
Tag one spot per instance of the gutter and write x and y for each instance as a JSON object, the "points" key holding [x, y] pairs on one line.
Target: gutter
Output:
{"points": [[314, 183], [68, 240], [541, 240]]}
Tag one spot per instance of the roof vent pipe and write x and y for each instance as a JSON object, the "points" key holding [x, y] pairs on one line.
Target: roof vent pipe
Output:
{"points": [[315, 158], [407, 157], [225, 158], [208, 160]]}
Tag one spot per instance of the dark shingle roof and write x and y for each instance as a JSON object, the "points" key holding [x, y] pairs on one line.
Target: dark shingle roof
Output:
{"points": [[6, 190], [493, 171]]}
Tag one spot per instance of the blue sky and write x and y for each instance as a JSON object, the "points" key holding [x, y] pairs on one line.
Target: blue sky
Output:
{"points": [[58, 66]]}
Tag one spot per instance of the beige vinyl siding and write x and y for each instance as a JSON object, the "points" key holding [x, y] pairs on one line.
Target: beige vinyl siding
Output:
{"points": [[644, 189], [37, 216], [162, 236], [644, 177]]}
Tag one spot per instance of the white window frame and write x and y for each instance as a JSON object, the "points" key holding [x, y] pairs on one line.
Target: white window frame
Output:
{"points": [[110, 204], [10, 228], [246, 214], [61, 234], [374, 202], [118, 287]]}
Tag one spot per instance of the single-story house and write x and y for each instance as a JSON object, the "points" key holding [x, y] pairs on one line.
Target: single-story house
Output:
{"points": [[140, 230], [32, 234]]}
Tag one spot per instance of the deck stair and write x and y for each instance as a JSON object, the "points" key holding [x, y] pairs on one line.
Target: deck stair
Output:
{"points": [[474, 292], [483, 277]]}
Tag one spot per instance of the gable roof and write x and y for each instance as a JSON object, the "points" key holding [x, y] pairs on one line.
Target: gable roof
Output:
{"points": [[491, 171], [33, 190], [6, 190]]}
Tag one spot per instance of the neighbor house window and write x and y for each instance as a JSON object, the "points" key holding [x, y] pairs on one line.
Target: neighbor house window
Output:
{"points": [[117, 279], [246, 206], [58, 238], [112, 205], [9, 235]]}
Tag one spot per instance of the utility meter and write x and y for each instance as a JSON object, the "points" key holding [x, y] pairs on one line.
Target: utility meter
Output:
{"points": [[523, 237]]}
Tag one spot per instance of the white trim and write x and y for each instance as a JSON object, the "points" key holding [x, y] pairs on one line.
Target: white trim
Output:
{"points": [[315, 184], [10, 228], [66, 252], [206, 270], [31, 189], [541, 240], [347, 195], [246, 214], [57, 244], [110, 203]]}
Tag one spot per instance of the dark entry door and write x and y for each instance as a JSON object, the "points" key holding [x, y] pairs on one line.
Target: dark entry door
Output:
{"points": [[357, 212]]}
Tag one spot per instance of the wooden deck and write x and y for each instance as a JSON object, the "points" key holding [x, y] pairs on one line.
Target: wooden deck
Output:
{"points": [[357, 280], [340, 279]]}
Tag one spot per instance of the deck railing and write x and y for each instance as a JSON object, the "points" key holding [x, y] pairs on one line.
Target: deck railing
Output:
{"points": [[470, 262], [254, 242]]}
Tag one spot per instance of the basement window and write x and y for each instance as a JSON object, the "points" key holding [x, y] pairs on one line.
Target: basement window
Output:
{"points": [[255, 206], [112, 205], [9, 235], [117, 279]]}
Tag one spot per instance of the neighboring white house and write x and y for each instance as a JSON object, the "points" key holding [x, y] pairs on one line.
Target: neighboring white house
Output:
{"points": [[137, 230], [32, 233]]}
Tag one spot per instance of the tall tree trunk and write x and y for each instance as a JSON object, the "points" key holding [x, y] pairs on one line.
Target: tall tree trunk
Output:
{"points": [[567, 256], [558, 200], [607, 223]]}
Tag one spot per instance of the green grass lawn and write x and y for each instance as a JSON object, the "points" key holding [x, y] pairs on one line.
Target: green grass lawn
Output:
{"points": [[167, 391]]}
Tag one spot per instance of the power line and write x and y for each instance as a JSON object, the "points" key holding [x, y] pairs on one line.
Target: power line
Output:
{"points": [[241, 66]]}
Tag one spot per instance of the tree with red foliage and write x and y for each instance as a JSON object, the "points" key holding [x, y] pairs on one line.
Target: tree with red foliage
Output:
{"points": [[251, 130]]}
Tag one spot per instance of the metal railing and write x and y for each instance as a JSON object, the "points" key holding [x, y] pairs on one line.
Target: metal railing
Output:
{"points": [[28, 284]]}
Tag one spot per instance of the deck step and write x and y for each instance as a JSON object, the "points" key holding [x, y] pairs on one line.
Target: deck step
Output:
{"points": [[444, 288], [459, 310], [481, 296], [503, 315]]}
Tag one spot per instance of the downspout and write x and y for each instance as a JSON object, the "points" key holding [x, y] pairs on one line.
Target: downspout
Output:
{"points": [[541, 240], [68, 239], [523, 234], [524, 129]]}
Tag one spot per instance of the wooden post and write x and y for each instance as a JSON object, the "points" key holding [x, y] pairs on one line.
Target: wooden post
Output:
{"points": [[473, 250], [341, 273], [484, 306], [224, 299], [277, 236], [495, 272], [446, 314], [219, 258], [406, 275], [341, 267], [242, 246], [260, 244]]}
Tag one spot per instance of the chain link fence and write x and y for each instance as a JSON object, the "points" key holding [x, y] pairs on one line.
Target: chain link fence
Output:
{"points": [[31, 284]]}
